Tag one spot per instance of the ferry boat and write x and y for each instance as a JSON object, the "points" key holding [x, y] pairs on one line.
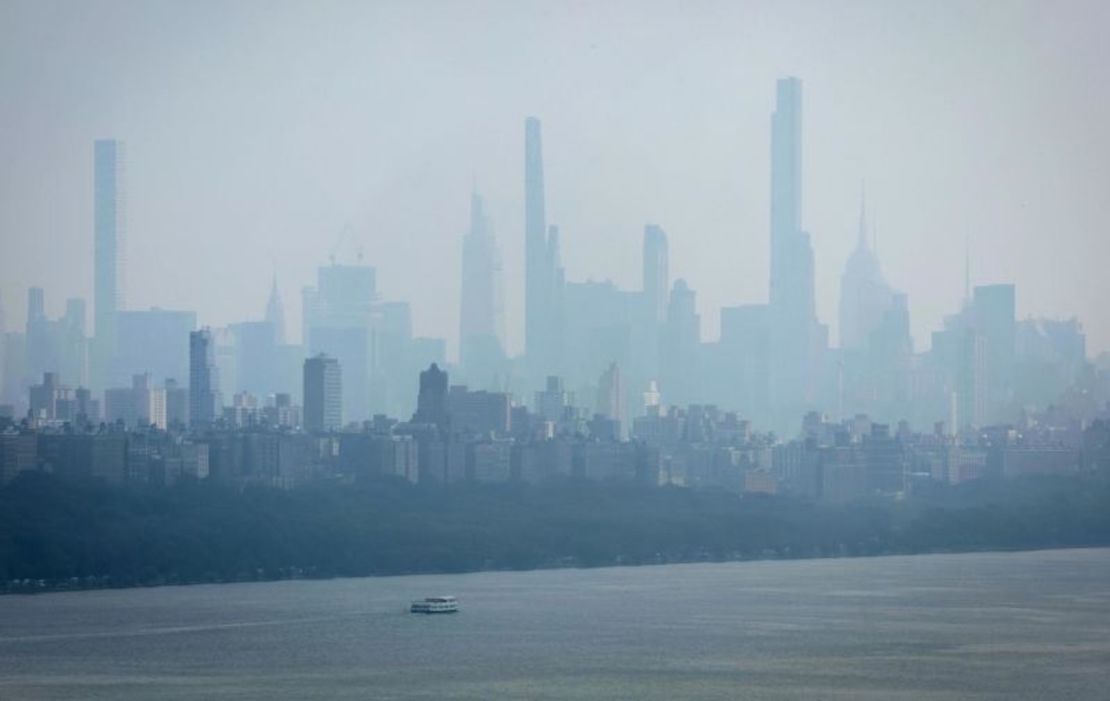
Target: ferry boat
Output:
{"points": [[435, 604]]}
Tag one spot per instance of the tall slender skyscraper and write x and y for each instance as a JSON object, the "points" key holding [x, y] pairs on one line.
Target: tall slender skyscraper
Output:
{"points": [[481, 322], [794, 330], [108, 230], [205, 404], [656, 276], [537, 273]]}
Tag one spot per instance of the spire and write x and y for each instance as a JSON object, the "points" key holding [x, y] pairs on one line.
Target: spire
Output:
{"points": [[967, 270], [862, 217], [275, 312], [477, 215]]}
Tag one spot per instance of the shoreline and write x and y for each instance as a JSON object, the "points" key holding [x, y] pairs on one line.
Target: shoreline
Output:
{"points": [[34, 589]]}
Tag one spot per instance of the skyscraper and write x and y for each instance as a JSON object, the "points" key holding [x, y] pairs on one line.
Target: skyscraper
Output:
{"points": [[542, 273], [481, 321], [656, 276], [154, 341], [535, 240], [338, 321], [431, 403], [205, 404], [680, 347], [993, 312], [42, 337], [795, 334], [610, 394], [108, 225], [323, 394], [275, 313], [864, 294]]}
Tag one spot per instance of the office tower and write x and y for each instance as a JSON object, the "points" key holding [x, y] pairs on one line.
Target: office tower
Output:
{"points": [[41, 335], [890, 352], [138, 405], [73, 350], [1050, 355], [154, 341], [431, 402], [680, 361], [177, 404], [338, 316], [795, 334], [864, 294], [993, 317], [656, 279], [553, 402], [275, 313], [323, 394], [205, 404], [542, 270], [610, 394], [535, 241], [255, 351], [52, 401], [88, 409], [36, 306], [481, 319], [478, 413], [108, 226], [745, 342], [393, 362]]}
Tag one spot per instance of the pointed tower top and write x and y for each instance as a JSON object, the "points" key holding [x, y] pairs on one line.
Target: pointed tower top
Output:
{"points": [[275, 312], [967, 270], [862, 217]]}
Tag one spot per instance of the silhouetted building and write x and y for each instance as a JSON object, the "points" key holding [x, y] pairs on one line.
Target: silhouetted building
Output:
{"points": [[431, 403], [478, 413], [323, 394], [205, 404]]}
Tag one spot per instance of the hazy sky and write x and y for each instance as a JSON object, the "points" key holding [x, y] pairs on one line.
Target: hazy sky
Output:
{"points": [[258, 131]]}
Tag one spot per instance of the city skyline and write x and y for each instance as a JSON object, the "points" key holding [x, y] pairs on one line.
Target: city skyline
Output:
{"points": [[921, 243], [773, 362]]}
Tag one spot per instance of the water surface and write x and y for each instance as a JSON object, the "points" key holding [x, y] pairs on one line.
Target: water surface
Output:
{"points": [[980, 626]]}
